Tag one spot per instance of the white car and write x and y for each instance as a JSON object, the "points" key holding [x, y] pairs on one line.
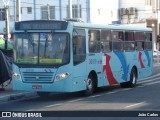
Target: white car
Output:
{"points": [[155, 53]]}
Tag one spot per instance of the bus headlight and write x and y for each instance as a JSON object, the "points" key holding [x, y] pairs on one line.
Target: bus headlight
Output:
{"points": [[61, 76], [16, 75]]}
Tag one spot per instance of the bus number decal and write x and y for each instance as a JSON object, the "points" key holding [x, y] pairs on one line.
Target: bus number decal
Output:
{"points": [[94, 61]]}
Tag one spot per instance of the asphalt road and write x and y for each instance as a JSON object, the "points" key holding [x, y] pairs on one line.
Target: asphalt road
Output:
{"points": [[145, 97]]}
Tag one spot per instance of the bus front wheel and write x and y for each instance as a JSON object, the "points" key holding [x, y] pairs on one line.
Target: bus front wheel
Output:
{"points": [[89, 86]]}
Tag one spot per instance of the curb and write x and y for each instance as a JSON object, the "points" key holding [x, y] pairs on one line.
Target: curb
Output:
{"points": [[17, 96], [156, 65]]}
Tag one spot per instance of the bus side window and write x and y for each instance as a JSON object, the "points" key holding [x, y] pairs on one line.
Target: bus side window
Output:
{"points": [[79, 46], [94, 41], [106, 43], [148, 41], [140, 45], [117, 41], [139, 37], [129, 41], [76, 43]]}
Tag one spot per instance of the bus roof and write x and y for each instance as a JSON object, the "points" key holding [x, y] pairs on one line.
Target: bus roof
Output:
{"points": [[112, 26], [62, 25]]}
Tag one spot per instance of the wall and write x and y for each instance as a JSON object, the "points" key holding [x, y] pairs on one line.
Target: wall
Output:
{"points": [[104, 11], [144, 10], [30, 3]]}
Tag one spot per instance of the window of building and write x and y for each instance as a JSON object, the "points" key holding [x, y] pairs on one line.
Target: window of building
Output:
{"points": [[106, 43], [94, 41], [52, 12], [117, 40], [148, 2], [79, 46], [44, 12], [2, 14], [29, 10], [75, 12]]}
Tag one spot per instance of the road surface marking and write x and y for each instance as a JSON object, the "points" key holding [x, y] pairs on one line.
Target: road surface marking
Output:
{"points": [[95, 96], [58, 104], [14, 95], [150, 77], [112, 92], [133, 105], [125, 89], [149, 80], [75, 100], [152, 83]]}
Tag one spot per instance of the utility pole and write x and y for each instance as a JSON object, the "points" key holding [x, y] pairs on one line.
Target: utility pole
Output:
{"points": [[48, 11], [6, 3], [18, 14], [78, 9], [34, 9], [158, 30], [70, 8], [60, 9]]}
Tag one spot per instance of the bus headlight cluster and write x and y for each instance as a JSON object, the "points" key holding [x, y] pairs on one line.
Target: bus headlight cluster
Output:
{"points": [[61, 76], [16, 75]]}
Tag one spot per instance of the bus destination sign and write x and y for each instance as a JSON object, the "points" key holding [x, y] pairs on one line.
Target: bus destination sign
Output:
{"points": [[41, 25]]}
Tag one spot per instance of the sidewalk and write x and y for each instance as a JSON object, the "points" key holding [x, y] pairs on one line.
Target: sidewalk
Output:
{"points": [[8, 94], [156, 62]]}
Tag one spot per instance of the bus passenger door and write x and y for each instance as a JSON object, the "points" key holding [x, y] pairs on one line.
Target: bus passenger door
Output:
{"points": [[79, 60]]}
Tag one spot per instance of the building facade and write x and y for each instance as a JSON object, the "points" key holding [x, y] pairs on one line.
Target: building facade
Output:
{"points": [[142, 12], [135, 12], [101, 11]]}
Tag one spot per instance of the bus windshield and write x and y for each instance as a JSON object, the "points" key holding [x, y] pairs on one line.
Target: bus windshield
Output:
{"points": [[41, 48]]}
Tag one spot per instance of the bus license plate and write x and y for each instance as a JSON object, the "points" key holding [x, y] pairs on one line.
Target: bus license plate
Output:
{"points": [[37, 87]]}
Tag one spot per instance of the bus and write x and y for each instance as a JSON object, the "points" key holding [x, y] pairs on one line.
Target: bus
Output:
{"points": [[66, 56]]}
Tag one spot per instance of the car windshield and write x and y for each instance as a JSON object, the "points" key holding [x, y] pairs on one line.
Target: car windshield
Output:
{"points": [[41, 48]]}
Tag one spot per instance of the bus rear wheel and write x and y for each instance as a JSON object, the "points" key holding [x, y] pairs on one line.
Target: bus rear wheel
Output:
{"points": [[133, 80], [89, 86], [43, 94]]}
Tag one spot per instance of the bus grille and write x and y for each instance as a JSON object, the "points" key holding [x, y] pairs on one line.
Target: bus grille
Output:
{"points": [[37, 77]]}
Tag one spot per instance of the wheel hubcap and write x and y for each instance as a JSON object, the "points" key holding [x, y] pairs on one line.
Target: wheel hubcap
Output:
{"points": [[134, 79], [89, 84]]}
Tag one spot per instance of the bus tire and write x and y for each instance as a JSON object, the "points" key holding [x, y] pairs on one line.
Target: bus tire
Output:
{"points": [[43, 94], [133, 78], [89, 86], [123, 85]]}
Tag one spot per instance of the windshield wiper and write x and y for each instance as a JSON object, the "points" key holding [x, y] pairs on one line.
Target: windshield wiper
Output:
{"points": [[46, 45]]}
